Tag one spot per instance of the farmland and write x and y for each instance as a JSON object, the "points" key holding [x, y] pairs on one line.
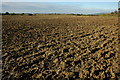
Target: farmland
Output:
{"points": [[60, 46]]}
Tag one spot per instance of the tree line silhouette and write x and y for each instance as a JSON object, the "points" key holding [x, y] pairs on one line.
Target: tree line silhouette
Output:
{"points": [[30, 14], [7, 13]]}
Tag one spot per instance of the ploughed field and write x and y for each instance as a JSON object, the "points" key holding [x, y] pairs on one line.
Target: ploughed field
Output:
{"points": [[60, 46]]}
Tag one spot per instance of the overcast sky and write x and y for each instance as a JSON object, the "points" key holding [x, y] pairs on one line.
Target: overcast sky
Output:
{"points": [[59, 7]]}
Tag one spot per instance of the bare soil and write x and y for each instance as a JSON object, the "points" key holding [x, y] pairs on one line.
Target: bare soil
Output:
{"points": [[60, 47]]}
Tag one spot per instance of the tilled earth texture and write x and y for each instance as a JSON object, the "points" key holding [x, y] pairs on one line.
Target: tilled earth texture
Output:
{"points": [[60, 47]]}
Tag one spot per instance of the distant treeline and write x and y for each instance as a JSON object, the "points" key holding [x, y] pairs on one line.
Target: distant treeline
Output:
{"points": [[115, 13], [30, 14], [84, 14], [7, 13]]}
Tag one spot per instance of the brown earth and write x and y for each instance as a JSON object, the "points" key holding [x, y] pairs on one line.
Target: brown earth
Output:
{"points": [[60, 47]]}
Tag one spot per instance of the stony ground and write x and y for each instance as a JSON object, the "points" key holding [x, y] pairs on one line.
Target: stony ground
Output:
{"points": [[60, 47]]}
